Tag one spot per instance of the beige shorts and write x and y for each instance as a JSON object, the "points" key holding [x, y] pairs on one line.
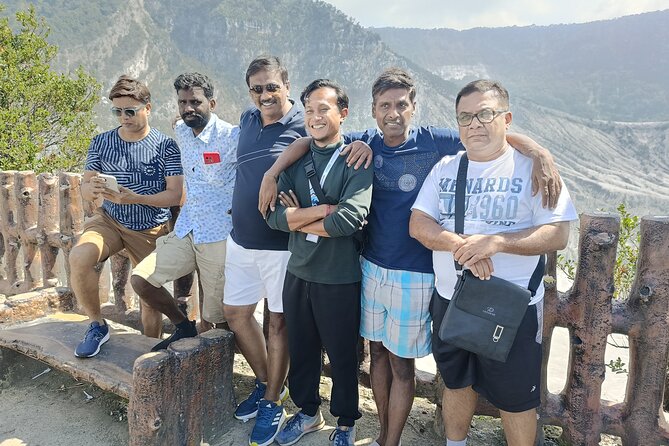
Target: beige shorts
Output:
{"points": [[102, 230], [175, 257]]}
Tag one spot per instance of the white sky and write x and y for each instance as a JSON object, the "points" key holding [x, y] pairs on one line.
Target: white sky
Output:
{"points": [[465, 14]]}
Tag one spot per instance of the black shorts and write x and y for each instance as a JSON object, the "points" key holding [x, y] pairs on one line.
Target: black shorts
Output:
{"points": [[512, 386]]}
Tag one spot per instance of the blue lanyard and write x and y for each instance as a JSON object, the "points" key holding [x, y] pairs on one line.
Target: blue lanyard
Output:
{"points": [[326, 171]]}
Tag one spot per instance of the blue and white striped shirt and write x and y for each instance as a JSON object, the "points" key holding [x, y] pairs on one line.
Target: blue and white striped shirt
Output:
{"points": [[141, 166]]}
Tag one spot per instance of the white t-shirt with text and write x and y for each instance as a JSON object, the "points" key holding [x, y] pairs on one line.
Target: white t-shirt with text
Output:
{"points": [[498, 199]]}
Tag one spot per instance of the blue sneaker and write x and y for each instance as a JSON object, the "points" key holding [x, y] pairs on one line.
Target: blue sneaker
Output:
{"points": [[297, 426], [270, 419], [343, 436], [96, 335], [248, 408]]}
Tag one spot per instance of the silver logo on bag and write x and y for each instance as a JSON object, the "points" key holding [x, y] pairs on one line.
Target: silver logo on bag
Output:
{"points": [[490, 311], [497, 334]]}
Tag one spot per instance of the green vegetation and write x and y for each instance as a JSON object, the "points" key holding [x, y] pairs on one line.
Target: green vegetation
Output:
{"points": [[628, 252], [46, 119]]}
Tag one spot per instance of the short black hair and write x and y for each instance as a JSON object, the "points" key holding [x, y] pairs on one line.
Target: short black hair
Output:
{"points": [[187, 81], [484, 86], [342, 97], [267, 63], [394, 77]]}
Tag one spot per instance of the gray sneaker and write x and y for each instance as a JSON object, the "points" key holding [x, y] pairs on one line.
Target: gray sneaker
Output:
{"points": [[343, 436], [297, 426]]}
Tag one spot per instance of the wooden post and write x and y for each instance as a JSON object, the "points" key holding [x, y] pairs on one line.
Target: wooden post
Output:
{"points": [[586, 311], [71, 215], [9, 230], [183, 395], [642, 419], [48, 227], [26, 212]]}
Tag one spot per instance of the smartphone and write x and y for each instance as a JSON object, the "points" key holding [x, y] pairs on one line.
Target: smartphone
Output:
{"points": [[110, 182], [212, 157]]}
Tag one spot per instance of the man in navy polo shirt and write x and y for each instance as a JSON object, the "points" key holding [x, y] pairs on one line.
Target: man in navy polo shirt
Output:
{"points": [[257, 256]]}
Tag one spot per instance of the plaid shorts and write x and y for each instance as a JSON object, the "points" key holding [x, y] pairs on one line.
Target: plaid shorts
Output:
{"points": [[395, 309]]}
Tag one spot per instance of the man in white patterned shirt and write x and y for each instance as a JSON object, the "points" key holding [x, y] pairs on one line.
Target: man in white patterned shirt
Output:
{"points": [[208, 145]]}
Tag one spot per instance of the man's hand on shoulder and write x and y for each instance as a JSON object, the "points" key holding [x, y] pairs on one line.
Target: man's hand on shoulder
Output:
{"points": [[267, 194], [356, 154], [546, 179], [545, 176]]}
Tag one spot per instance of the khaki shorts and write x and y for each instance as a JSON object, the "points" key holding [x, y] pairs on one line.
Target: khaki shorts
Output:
{"points": [[102, 230], [175, 257]]}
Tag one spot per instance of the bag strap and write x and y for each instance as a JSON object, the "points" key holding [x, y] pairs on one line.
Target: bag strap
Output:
{"points": [[537, 275], [310, 171], [460, 188]]}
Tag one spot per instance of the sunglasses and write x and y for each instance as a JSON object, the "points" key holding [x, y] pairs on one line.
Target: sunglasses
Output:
{"points": [[269, 88], [130, 112]]}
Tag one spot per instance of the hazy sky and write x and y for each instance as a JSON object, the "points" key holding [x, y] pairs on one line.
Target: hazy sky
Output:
{"points": [[465, 14]]}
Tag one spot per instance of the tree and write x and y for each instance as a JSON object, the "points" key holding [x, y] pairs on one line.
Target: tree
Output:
{"points": [[46, 117]]}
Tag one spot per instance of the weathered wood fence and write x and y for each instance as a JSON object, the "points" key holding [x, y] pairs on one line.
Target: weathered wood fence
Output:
{"points": [[40, 216]]}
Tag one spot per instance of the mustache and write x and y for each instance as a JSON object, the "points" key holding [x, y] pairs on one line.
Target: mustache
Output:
{"points": [[192, 114]]}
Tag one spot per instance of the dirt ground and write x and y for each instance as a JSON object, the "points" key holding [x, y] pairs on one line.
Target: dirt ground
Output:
{"points": [[53, 409]]}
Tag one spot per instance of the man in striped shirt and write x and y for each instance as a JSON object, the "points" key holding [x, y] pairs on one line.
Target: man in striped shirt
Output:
{"points": [[142, 179]]}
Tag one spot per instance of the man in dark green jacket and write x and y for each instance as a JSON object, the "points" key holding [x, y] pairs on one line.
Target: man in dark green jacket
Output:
{"points": [[321, 294]]}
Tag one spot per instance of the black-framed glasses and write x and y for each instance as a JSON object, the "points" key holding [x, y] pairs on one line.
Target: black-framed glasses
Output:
{"points": [[130, 112], [270, 88], [485, 116]]}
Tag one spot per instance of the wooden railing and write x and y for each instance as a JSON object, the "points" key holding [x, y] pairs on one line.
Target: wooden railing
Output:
{"points": [[41, 215]]}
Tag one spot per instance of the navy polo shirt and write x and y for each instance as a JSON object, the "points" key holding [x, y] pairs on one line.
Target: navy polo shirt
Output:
{"points": [[257, 150]]}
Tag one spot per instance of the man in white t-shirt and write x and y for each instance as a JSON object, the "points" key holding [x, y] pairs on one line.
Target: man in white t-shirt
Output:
{"points": [[505, 231]]}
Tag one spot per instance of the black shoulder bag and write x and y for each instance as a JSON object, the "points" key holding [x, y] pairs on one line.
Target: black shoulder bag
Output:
{"points": [[484, 315]]}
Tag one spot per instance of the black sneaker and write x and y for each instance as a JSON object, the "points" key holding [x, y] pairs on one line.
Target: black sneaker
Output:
{"points": [[183, 330]]}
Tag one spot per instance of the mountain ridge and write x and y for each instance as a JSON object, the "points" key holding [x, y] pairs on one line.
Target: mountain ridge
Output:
{"points": [[603, 162], [609, 69]]}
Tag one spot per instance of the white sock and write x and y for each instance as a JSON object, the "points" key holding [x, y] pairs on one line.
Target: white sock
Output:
{"points": [[456, 443]]}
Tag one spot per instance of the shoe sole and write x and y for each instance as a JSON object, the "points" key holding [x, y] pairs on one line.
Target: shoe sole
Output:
{"points": [[102, 341], [283, 396], [246, 418], [316, 428], [271, 440]]}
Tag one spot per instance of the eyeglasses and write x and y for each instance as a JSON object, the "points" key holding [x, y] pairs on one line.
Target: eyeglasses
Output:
{"points": [[269, 88], [130, 112], [485, 116]]}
